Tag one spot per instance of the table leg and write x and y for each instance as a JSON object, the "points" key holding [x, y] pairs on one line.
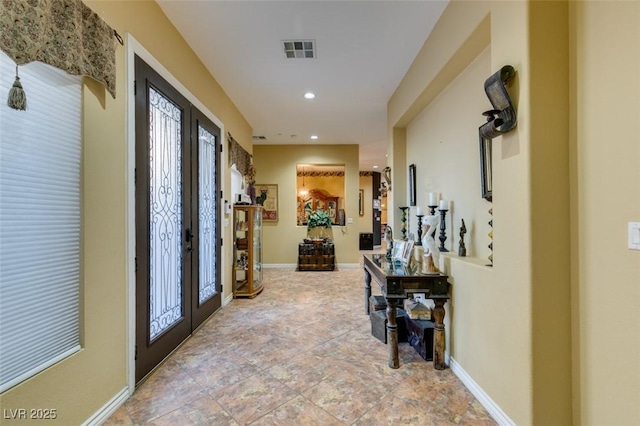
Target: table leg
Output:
{"points": [[438, 335], [392, 334], [367, 290]]}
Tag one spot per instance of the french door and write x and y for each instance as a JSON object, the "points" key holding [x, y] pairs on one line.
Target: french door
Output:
{"points": [[178, 253]]}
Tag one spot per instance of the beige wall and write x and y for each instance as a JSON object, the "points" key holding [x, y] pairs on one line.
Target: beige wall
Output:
{"points": [[605, 196], [565, 168], [536, 331], [494, 336], [276, 164], [448, 158], [80, 385]]}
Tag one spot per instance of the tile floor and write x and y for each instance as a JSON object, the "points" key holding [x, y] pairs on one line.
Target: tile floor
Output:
{"points": [[300, 353]]}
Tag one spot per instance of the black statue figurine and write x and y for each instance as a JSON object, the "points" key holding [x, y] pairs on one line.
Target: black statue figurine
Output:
{"points": [[462, 250]]}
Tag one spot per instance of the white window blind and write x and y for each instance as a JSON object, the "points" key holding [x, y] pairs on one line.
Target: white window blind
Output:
{"points": [[39, 221]]}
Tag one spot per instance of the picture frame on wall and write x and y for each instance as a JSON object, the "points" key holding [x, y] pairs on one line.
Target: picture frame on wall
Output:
{"points": [[412, 185], [486, 168], [267, 197]]}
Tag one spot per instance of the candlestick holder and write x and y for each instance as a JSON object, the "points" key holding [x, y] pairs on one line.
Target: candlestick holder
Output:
{"points": [[419, 216], [403, 219], [432, 210], [443, 234]]}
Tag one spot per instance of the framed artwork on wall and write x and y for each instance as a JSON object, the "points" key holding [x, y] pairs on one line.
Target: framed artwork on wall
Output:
{"points": [[267, 197], [412, 185]]}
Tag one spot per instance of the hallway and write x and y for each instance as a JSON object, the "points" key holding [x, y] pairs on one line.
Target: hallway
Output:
{"points": [[300, 353]]}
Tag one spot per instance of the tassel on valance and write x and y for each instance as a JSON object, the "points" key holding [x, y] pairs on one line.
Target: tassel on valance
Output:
{"points": [[65, 34], [17, 97]]}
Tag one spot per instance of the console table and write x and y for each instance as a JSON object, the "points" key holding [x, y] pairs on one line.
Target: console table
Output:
{"points": [[397, 282]]}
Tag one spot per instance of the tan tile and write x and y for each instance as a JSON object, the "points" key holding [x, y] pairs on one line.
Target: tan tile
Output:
{"points": [[252, 398], [167, 389], [394, 411], [299, 353], [344, 396], [303, 372], [119, 418], [201, 412], [298, 411], [476, 415]]}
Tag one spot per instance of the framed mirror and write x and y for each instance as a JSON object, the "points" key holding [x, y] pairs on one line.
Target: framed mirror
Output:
{"points": [[485, 168], [320, 187]]}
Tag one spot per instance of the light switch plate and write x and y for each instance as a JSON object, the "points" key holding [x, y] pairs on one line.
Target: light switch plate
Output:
{"points": [[634, 235], [349, 220]]}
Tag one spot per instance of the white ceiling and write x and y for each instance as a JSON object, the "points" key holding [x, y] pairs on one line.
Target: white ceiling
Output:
{"points": [[364, 48]]}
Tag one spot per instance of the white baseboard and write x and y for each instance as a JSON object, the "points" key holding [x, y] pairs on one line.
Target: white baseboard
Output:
{"points": [[227, 300], [108, 409], [349, 265], [279, 265], [489, 404], [295, 265]]}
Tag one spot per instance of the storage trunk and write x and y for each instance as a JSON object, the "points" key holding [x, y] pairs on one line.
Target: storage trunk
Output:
{"points": [[421, 337], [379, 325]]}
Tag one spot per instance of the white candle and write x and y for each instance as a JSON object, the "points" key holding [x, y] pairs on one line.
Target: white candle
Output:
{"points": [[444, 205], [418, 211], [433, 199]]}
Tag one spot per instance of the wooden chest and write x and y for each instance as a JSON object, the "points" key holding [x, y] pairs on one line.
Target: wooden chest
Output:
{"points": [[316, 256], [420, 337], [377, 303], [379, 325]]}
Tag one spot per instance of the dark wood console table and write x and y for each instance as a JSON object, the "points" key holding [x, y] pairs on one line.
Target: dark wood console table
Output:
{"points": [[397, 282]]}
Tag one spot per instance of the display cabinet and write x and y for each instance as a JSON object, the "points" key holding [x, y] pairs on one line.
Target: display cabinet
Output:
{"points": [[318, 199], [247, 251]]}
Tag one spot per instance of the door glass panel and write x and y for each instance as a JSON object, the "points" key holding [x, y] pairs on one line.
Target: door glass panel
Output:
{"points": [[165, 210], [207, 214]]}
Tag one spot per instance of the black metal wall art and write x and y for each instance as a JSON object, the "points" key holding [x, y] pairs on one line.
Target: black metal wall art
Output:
{"points": [[501, 119]]}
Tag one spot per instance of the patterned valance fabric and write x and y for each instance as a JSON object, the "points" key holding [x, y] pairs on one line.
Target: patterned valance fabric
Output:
{"points": [[238, 156], [65, 34], [319, 174]]}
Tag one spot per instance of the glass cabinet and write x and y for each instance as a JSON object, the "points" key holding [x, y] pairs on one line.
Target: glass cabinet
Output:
{"points": [[247, 251]]}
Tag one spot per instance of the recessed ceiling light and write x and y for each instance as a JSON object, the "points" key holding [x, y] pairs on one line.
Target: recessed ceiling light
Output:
{"points": [[375, 167], [309, 95], [314, 137]]}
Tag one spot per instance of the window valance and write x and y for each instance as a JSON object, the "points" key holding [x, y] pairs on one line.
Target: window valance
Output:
{"points": [[65, 34], [240, 157]]}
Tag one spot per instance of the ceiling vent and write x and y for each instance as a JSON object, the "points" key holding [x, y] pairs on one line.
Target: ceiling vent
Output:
{"points": [[299, 49], [259, 138]]}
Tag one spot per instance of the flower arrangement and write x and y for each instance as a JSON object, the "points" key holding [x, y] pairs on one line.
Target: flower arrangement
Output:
{"points": [[319, 218]]}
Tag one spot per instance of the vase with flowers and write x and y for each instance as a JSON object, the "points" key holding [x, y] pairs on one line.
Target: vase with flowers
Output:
{"points": [[319, 225]]}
